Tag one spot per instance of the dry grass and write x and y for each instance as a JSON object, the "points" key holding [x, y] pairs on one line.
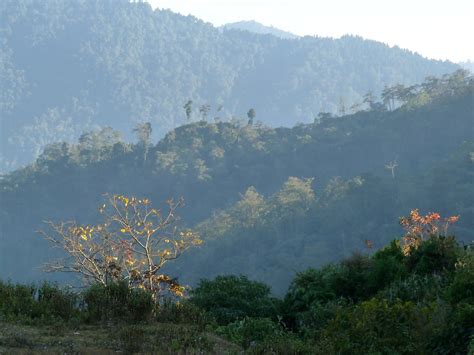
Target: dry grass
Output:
{"points": [[144, 339]]}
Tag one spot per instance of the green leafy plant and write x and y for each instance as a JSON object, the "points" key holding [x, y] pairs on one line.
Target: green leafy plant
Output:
{"points": [[230, 298], [117, 302]]}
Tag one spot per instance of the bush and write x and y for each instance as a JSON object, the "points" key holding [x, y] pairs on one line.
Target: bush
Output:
{"points": [[263, 336], [388, 265], [435, 255], [117, 302], [376, 326], [250, 330], [308, 287], [56, 302], [352, 278], [350, 281], [47, 302], [456, 331], [416, 288], [318, 315], [230, 298], [356, 278], [183, 312], [462, 286], [16, 300]]}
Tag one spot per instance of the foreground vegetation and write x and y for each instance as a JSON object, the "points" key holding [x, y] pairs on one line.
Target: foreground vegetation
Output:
{"points": [[62, 338], [398, 300]]}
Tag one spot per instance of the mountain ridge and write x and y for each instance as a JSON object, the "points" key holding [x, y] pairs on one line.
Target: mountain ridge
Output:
{"points": [[116, 63], [259, 28], [226, 170]]}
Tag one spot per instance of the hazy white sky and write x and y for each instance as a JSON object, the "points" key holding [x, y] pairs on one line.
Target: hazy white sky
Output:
{"points": [[439, 29]]}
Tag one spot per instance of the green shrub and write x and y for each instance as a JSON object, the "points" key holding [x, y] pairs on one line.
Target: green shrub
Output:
{"points": [[310, 287], [16, 300], [348, 281], [435, 255], [352, 278], [388, 265], [317, 316], [462, 286], [356, 278], [56, 302], [416, 288], [230, 298], [46, 303], [376, 326], [183, 312], [117, 302], [250, 330], [455, 333]]}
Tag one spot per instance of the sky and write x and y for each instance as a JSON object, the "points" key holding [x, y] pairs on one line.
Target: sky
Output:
{"points": [[438, 29]]}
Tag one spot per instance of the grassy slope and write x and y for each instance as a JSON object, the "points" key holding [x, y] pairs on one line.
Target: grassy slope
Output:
{"points": [[155, 338]]}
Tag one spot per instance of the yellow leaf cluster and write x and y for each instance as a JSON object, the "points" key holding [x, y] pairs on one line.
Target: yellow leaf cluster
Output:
{"points": [[84, 232]]}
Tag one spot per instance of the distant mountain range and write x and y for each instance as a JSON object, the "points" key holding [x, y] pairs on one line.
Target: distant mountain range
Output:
{"points": [[256, 27], [74, 66], [469, 65]]}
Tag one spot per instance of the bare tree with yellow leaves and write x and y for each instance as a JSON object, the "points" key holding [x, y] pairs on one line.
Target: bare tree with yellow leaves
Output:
{"points": [[132, 243]]}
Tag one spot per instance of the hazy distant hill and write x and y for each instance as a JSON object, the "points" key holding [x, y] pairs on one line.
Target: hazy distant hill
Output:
{"points": [[70, 66], [256, 27], [246, 185], [469, 65]]}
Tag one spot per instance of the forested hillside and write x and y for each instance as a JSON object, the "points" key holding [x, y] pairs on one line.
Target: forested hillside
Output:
{"points": [[256, 27], [263, 198], [71, 66]]}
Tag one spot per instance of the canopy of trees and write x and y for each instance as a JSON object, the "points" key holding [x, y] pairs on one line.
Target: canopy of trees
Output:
{"points": [[262, 198], [71, 66]]}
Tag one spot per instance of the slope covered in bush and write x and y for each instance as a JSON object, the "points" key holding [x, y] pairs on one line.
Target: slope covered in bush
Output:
{"points": [[395, 300], [68, 67], [250, 187]]}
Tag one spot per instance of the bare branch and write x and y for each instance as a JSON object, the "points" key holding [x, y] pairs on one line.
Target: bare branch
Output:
{"points": [[126, 245]]}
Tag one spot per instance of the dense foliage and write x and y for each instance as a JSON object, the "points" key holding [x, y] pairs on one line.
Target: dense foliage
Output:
{"points": [[230, 298], [388, 302], [393, 301], [293, 227], [249, 189], [70, 66], [256, 27]]}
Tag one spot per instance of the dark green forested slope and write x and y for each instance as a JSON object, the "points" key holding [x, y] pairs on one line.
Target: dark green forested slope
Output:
{"points": [[295, 228], [70, 66], [274, 219]]}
